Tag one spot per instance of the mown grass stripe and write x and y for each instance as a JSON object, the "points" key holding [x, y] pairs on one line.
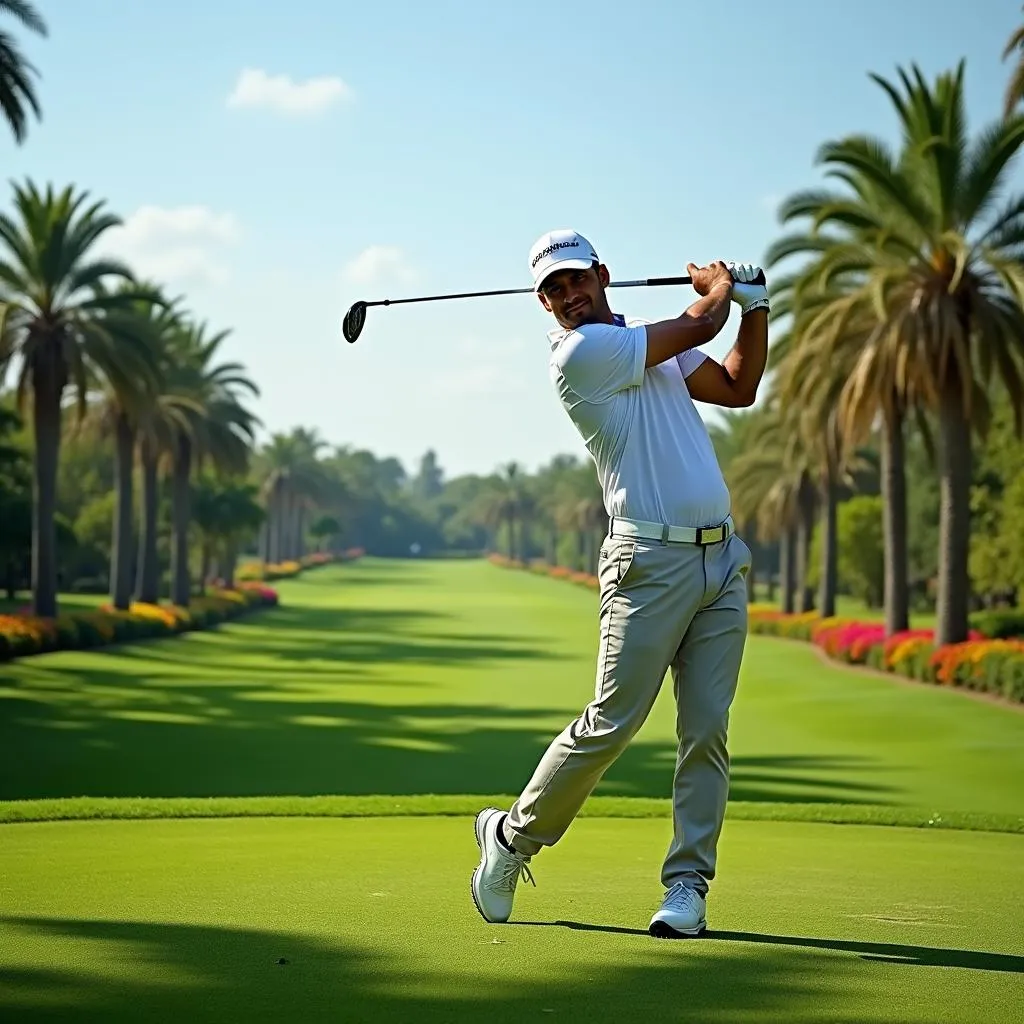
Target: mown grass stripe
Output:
{"points": [[428, 805]]}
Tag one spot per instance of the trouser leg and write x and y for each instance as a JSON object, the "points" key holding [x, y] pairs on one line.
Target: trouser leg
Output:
{"points": [[705, 672], [648, 593]]}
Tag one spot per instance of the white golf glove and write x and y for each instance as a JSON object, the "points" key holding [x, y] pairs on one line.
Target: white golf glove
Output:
{"points": [[748, 294]]}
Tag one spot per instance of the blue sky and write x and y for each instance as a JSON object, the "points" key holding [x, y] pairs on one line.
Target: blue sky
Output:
{"points": [[275, 162]]}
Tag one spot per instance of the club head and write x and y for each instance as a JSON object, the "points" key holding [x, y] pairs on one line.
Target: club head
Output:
{"points": [[352, 325]]}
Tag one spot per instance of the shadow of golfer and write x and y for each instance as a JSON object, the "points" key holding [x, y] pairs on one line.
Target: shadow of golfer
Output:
{"points": [[883, 952]]}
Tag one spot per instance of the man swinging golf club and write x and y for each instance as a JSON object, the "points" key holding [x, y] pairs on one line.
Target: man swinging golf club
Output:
{"points": [[672, 572]]}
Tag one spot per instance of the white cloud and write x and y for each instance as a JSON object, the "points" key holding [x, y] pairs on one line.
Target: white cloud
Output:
{"points": [[378, 264], [258, 89], [181, 245]]}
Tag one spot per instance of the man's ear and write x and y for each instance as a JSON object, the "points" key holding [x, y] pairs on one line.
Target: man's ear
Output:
{"points": [[602, 275], [544, 301]]}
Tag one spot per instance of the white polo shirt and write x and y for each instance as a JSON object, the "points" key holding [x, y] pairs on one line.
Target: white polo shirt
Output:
{"points": [[653, 454]]}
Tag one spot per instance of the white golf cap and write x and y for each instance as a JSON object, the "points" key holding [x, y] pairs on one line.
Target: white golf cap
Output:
{"points": [[562, 249]]}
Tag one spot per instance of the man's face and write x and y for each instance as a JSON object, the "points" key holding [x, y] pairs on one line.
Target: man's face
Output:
{"points": [[577, 297]]}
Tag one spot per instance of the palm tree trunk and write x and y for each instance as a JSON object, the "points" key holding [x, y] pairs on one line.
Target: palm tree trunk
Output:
{"points": [[787, 568], [553, 546], [894, 500], [511, 535], [206, 558], [147, 581], [300, 530], [805, 530], [48, 379], [829, 546], [181, 586], [230, 563], [123, 536], [281, 525], [954, 519]]}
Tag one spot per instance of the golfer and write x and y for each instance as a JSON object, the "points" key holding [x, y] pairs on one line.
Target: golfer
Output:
{"points": [[672, 572]]}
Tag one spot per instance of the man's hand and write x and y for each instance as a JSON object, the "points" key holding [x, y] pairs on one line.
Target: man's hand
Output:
{"points": [[715, 275], [745, 292]]}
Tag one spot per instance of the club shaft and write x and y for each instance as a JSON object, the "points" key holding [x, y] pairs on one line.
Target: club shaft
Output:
{"points": [[645, 282]]}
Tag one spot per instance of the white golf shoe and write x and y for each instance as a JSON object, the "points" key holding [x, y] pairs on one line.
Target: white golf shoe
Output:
{"points": [[494, 881], [681, 914]]}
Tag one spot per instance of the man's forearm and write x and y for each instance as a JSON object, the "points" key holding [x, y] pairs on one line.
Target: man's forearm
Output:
{"points": [[714, 306], [746, 360]]}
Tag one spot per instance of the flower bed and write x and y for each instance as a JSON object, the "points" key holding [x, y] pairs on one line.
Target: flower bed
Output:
{"points": [[542, 568], [24, 634], [991, 660], [270, 571], [984, 663]]}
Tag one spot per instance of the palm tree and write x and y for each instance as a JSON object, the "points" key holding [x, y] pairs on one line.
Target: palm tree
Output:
{"points": [[212, 425], [940, 268], [58, 318], [737, 431], [170, 412], [122, 405], [850, 371], [766, 488], [16, 89], [292, 483]]}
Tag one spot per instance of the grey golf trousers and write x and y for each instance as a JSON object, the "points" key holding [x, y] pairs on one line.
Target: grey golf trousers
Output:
{"points": [[672, 605]]}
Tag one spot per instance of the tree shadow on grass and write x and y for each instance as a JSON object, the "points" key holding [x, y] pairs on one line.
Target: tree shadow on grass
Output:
{"points": [[273, 709], [114, 971], [882, 952], [303, 735], [336, 636]]}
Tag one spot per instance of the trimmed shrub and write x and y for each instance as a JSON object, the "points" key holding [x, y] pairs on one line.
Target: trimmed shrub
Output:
{"points": [[999, 623]]}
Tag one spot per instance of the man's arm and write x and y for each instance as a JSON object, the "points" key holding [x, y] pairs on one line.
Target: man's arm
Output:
{"points": [[733, 382], [700, 323]]}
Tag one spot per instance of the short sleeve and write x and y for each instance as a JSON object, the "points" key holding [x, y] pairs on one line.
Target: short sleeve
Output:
{"points": [[598, 360], [690, 360]]}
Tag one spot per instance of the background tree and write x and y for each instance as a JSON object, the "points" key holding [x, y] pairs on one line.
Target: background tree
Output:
{"points": [[17, 92], [61, 322]]}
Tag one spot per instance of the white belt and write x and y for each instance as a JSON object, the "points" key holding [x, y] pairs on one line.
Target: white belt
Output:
{"points": [[619, 526]]}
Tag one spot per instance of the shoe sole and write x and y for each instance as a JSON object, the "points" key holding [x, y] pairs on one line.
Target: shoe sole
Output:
{"points": [[663, 930], [472, 881]]}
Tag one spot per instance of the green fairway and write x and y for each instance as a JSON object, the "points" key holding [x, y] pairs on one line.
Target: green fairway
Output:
{"points": [[392, 699], [413, 677], [184, 920]]}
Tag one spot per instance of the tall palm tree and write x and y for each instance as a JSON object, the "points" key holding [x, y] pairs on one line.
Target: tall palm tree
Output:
{"points": [[122, 405], [941, 271], [60, 320], [171, 410], [214, 425], [16, 89], [851, 377]]}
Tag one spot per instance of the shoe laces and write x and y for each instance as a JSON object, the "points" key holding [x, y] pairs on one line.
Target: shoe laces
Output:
{"points": [[505, 880], [681, 897]]}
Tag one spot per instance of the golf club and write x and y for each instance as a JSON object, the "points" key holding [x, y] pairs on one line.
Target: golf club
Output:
{"points": [[355, 318]]}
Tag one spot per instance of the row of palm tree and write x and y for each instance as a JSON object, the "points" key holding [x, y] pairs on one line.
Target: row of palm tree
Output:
{"points": [[902, 290], [94, 346]]}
